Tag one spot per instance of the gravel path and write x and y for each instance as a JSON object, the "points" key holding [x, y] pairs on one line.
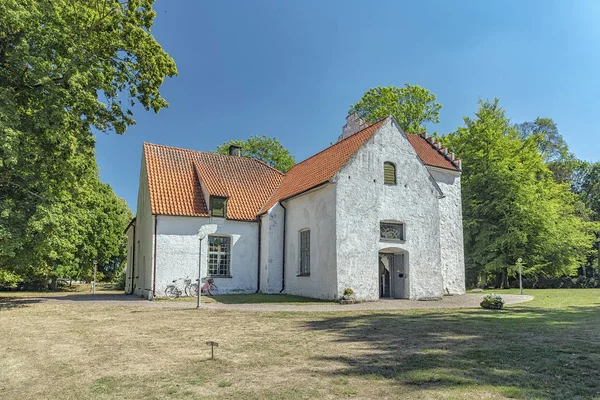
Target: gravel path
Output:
{"points": [[465, 301]]}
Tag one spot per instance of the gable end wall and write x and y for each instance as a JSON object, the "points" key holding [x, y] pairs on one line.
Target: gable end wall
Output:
{"points": [[363, 201], [451, 232]]}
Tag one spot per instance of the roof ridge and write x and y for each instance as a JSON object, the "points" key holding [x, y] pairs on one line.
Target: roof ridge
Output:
{"points": [[212, 153], [338, 142], [267, 165], [439, 150]]}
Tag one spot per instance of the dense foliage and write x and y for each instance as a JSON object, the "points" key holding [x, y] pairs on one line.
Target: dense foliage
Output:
{"points": [[412, 106], [266, 149], [512, 204], [67, 67]]}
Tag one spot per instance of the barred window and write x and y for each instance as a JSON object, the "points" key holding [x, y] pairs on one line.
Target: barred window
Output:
{"points": [[389, 173], [219, 256], [391, 231], [304, 253]]}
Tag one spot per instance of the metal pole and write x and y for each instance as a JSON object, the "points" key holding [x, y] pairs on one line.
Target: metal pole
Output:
{"points": [[199, 275], [520, 260], [94, 284]]}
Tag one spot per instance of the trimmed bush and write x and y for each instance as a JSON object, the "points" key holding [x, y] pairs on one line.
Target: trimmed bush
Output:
{"points": [[492, 301], [348, 292]]}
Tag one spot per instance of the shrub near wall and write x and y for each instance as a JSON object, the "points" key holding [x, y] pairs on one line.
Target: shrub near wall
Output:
{"points": [[492, 302]]}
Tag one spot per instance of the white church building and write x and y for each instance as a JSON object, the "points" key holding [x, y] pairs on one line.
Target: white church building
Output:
{"points": [[378, 212]]}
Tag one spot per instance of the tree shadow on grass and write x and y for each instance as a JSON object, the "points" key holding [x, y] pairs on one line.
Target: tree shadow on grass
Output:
{"points": [[9, 303], [108, 297], [520, 352]]}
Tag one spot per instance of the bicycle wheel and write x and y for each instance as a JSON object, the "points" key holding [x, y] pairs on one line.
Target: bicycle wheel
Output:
{"points": [[171, 292], [212, 290], [191, 290]]}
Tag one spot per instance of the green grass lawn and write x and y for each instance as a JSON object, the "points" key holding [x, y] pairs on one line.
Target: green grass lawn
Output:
{"points": [[548, 348]]}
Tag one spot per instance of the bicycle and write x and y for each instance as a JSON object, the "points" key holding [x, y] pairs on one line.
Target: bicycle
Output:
{"points": [[173, 291], [208, 286]]}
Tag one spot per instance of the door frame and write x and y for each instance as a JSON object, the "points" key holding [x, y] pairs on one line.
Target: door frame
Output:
{"points": [[390, 254]]}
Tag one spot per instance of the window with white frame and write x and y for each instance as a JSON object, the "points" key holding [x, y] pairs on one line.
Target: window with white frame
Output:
{"points": [[391, 231], [219, 256], [304, 253]]}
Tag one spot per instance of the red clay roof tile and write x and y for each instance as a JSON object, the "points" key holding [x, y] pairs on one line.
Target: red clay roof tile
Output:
{"points": [[174, 177], [429, 154], [321, 167]]}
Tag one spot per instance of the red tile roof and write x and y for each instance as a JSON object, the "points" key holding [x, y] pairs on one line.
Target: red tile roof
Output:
{"points": [[429, 154], [174, 177], [252, 187], [321, 167]]}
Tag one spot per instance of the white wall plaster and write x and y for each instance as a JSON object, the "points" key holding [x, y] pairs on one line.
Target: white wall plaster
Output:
{"points": [[314, 210], [363, 201], [130, 267], [451, 231], [178, 251], [272, 250], [144, 237]]}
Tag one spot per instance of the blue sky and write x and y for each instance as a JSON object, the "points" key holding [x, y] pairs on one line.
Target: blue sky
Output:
{"points": [[292, 69]]}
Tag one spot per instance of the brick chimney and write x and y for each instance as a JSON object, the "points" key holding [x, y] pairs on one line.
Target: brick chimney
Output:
{"points": [[235, 151], [353, 124]]}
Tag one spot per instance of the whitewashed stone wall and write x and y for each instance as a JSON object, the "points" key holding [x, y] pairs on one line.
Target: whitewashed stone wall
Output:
{"points": [[271, 250], [130, 267], [451, 231], [178, 252], [144, 237], [363, 201], [314, 210]]}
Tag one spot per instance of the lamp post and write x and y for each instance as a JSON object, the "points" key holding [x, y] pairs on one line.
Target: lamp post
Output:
{"points": [[520, 263], [204, 231], [95, 270], [201, 236]]}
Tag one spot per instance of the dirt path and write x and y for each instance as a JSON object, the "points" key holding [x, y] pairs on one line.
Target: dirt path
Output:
{"points": [[465, 301]]}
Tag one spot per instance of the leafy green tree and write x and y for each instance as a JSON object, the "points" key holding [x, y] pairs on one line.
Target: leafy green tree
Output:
{"points": [[552, 146], [66, 66], [587, 186], [412, 106], [266, 149], [512, 207]]}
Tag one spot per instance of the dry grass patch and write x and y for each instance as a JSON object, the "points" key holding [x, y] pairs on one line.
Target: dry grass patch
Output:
{"points": [[82, 350]]}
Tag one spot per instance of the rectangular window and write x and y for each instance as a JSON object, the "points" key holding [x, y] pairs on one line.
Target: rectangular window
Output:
{"points": [[219, 256], [304, 253], [391, 231], [218, 206]]}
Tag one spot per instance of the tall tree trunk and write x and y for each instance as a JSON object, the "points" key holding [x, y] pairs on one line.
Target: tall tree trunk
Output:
{"points": [[498, 281]]}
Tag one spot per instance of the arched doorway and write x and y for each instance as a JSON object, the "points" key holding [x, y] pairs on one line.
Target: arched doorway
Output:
{"points": [[393, 273]]}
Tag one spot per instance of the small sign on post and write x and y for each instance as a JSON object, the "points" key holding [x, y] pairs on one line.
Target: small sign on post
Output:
{"points": [[212, 348]]}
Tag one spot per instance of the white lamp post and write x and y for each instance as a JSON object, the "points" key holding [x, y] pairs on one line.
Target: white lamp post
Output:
{"points": [[204, 231]]}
